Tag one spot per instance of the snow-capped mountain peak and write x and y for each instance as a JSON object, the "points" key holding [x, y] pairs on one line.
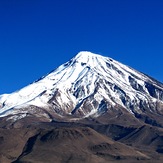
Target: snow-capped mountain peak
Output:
{"points": [[87, 85], [87, 57]]}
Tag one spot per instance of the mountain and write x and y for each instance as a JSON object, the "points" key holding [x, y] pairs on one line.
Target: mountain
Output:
{"points": [[88, 85], [90, 109]]}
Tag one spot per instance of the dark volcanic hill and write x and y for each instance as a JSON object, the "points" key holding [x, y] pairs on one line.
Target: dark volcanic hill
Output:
{"points": [[90, 109]]}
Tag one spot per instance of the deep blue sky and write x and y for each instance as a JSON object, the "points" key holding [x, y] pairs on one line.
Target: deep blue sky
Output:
{"points": [[36, 36]]}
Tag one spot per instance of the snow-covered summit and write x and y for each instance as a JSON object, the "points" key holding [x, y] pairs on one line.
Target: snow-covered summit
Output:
{"points": [[87, 85], [86, 55]]}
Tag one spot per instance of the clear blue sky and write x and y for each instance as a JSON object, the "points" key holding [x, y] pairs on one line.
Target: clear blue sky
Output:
{"points": [[36, 36]]}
